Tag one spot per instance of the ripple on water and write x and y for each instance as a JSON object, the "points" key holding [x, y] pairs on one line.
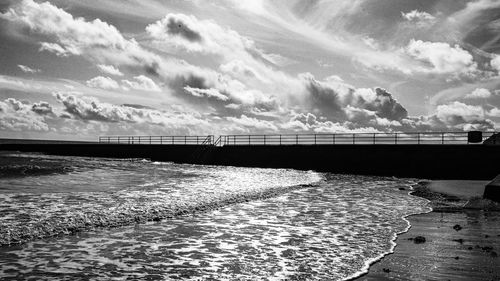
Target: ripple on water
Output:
{"points": [[329, 231]]}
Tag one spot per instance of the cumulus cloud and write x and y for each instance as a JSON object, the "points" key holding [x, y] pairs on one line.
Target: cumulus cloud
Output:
{"points": [[91, 109], [192, 34], [18, 116], [463, 116], [311, 123], [417, 15], [479, 93], [331, 98], [495, 63], [103, 83], [76, 36], [442, 58], [109, 69], [42, 108], [142, 83], [27, 69]]}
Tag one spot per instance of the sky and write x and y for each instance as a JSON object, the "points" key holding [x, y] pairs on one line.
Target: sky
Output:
{"points": [[72, 69]]}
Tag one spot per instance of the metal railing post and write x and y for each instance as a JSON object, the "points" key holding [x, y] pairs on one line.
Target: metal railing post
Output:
{"points": [[442, 138], [249, 139], [353, 138], [185, 140], [418, 138], [296, 139], [374, 138], [333, 137], [314, 139], [280, 139], [395, 138], [264, 139], [149, 139]]}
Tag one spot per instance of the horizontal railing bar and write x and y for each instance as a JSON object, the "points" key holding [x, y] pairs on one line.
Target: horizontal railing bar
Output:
{"points": [[302, 139]]}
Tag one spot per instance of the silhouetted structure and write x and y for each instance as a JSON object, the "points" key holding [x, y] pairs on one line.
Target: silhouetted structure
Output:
{"points": [[419, 155]]}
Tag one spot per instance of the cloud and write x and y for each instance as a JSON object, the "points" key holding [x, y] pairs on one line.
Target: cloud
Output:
{"points": [[18, 116], [109, 69], [91, 109], [210, 93], [479, 93], [494, 112], [103, 83], [418, 16], [57, 49], [495, 63], [192, 34], [309, 122], [463, 116], [42, 108], [142, 83], [27, 69], [330, 98], [76, 36], [253, 123], [179, 27], [442, 58]]}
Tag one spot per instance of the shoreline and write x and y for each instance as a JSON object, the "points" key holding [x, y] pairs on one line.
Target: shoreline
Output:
{"points": [[457, 240]]}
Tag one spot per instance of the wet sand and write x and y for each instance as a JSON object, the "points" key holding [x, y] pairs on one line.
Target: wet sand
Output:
{"points": [[462, 238]]}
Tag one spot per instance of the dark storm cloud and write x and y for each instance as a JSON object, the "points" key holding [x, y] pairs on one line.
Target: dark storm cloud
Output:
{"points": [[384, 105], [323, 96], [178, 27]]}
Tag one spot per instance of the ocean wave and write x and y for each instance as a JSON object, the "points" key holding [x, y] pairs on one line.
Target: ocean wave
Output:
{"points": [[31, 170]]}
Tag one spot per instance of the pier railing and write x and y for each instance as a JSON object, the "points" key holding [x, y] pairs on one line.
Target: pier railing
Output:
{"points": [[172, 140], [447, 138], [350, 138]]}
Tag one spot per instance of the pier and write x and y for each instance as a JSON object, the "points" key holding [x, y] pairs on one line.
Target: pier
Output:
{"points": [[427, 155]]}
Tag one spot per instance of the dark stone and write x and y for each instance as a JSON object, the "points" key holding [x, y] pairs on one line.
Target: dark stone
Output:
{"points": [[457, 258], [457, 227], [386, 270], [402, 188], [419, 240], [492, 190], [156, 219], [461, 241], [486, 236], [470, 248]]}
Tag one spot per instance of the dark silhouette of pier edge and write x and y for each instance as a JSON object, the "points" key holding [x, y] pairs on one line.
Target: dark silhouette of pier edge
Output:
{"points": [[427, 155]]}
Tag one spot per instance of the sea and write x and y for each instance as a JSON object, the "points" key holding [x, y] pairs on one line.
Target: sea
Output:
{"points": [[78, 218]]}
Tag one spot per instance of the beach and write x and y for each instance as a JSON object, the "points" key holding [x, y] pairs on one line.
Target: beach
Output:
{"points": [[460, 237]]}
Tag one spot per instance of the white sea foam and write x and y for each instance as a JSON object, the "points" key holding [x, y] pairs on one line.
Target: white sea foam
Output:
{"points": [[331, 230]]}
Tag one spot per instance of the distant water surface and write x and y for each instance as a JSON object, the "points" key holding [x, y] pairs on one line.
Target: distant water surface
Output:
{"points": [[191, 222]]}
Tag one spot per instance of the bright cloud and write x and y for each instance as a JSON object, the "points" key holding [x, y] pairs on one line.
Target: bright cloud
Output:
{"points": [[109, 69], [417, 15], [27, 69], [142, 83], [442, 57], [479, 93], [103, 83]]}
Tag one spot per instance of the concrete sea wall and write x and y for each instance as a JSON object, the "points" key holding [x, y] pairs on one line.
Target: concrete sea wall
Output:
{"points": [[418, 161]]}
